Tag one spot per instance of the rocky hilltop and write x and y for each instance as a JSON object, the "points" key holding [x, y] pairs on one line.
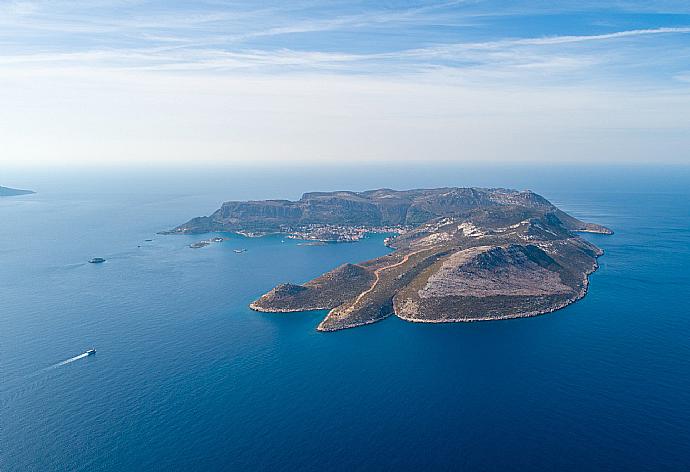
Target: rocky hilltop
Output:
{"points": [[462, 254], [373, 208], [10, 192]]}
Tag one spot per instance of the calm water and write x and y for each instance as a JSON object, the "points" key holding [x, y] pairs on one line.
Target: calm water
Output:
{"points": [[188, 378]]}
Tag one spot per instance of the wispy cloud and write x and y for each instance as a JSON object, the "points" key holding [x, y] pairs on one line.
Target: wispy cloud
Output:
{"points": [[362, 20], [511, 57], [230, 25], [539, 41], [597, 37], [347, 80]]}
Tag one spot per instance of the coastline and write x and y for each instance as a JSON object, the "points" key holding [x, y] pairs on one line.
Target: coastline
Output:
{"points": [[321, 326], [255, 307]]}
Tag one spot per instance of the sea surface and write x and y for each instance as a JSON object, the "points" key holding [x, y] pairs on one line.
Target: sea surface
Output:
{"points": [[186, 377]]}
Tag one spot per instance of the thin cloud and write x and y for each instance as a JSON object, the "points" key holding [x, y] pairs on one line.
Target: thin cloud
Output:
{"points": [[492, 59], [276, 21], [599, 37], [540, 41]]}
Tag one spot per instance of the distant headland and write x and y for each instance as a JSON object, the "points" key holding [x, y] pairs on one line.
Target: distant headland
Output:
{"points": [[11, 192], [460, 254]]}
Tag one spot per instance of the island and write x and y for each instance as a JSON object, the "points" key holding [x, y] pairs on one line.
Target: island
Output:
{"points": [[206, 242], [11, 192], [459, 254]]}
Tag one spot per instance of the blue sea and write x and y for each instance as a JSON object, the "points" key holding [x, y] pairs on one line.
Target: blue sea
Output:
{"points": [[186, 377]]}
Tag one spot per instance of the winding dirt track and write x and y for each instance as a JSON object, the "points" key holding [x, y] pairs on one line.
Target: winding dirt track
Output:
{"points": [[377, 275]]}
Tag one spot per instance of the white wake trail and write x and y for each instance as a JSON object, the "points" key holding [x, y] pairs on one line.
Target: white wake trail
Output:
{"points": [[71, 359], [30, 379]]}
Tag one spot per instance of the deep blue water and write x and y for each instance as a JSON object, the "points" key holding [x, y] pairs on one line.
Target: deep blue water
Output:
{"points": [[188, 378]]}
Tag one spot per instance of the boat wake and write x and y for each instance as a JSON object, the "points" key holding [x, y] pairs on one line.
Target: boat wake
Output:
{"points": [[70, 360], [37, 377]]}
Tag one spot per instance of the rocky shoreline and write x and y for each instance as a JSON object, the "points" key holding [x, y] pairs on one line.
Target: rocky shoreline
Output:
{"points": [[460, 254], [261, 309], [579, 296]]}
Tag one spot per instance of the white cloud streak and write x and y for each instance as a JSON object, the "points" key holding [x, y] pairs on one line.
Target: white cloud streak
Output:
{"points": [[185, 57], [191, 89]]}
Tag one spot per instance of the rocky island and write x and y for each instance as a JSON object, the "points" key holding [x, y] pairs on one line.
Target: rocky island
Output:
{"points": [[11, 192], [460, 254]]}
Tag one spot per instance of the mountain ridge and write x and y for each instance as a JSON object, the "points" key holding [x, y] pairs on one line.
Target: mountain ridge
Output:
{"points": [[380, 207]]}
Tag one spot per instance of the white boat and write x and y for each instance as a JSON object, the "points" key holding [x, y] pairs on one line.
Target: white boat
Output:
{"points": [[90, 352]]}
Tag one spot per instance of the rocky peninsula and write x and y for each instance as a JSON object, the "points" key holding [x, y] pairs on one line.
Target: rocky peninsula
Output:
{"points": [[460, 254], [11, 192]]}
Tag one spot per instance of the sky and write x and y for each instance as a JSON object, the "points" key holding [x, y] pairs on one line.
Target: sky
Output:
{"points": [[103, 82]]}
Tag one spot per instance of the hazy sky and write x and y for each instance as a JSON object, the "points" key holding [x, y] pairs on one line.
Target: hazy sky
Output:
{"points": [[136, 81]]}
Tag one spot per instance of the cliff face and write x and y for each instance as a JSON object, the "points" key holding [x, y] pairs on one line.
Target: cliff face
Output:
{"points": [[383, 207], [467, 255]]}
